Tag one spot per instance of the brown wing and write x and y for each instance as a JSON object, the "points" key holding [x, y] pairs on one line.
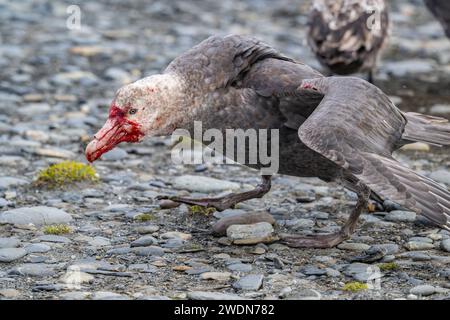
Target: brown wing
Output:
{"points": [[219, 61], [279, 78], [357, 127]]}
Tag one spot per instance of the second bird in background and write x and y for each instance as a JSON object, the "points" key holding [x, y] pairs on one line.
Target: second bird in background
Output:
{"points": [[348, 35]]}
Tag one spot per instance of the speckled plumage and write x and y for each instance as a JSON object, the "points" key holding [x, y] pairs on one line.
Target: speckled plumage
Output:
{"points": [[339, 35]]}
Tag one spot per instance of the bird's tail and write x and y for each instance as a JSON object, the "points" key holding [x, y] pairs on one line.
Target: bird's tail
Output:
{"points": [[424, 128]]}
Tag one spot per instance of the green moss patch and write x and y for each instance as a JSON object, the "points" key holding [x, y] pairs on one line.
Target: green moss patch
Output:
{"points": [[57, 229], [145, 217], [64, 173], [391, 266], [201, 210], [355, 286]]}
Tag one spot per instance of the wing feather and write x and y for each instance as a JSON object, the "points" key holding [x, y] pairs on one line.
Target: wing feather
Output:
{"points": [[358, 130]]}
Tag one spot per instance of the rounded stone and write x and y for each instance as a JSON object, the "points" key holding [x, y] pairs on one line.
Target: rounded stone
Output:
{"points": [[423, 290], [11, 254]]}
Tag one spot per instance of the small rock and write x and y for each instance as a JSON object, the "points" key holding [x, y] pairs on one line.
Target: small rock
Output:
{"points": [[442, 109], [423, 290], [221, 226], [54, 238], [3, 203], [119, 251], [259, 250], [106, 295], [203, 184], [240, 267], [8, 182], [174, 243], [361, 272], [419, 245], [442, 176], [205, 295], [400, 216], [418, 146], [445, 245], [417, 256], [74, 295], [300, 224], [34, 270], [228, 213], [332, 272], [218, 276], [115, 154], [176, 235], [147, 229], [249, 282], [76, 278], [37, 248], [409, 66], [353, 246], [9, 293], [168, 204], [148, 251], [54, 153], [421, 239], [99, 242], [313, 271], [142, 267], [251, 233], [9, 242], [38, 216], [11, 254], [144, 241], [118, 207]]}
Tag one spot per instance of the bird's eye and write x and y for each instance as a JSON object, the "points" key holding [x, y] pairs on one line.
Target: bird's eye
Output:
{"points": [[132, 111]]}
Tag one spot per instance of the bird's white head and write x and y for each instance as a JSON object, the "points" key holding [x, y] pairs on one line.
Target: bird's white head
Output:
{"points": [[147, 107]]}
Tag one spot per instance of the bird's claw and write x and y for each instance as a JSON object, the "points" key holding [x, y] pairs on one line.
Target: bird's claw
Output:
{"points": [[162, 198], [218, 204]]}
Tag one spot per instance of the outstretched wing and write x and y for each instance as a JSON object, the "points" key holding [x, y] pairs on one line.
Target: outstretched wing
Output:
{"points": [[218, 61], [358, 128]]}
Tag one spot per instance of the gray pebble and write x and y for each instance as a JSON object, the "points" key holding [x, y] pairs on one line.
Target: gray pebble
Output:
{"points": [[34, 270], [54, 238], [445, 245], [11, 254], [9, 242], [37, 248], [249, 282], [240, 267], [205, 295], [423, 290], [148, 251], [144, 241], [38, 216], [400, 216]]}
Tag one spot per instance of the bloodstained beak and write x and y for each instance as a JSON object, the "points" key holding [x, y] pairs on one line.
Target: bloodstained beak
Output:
{"points": [[117, 129]]}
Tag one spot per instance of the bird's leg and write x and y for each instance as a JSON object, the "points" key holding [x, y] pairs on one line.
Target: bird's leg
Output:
{"points": [[331, 240], [370, 76], [228, 201]]}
